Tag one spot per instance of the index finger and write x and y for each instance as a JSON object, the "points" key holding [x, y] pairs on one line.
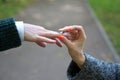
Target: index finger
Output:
{"points": [[67, 29], [70, 28]]}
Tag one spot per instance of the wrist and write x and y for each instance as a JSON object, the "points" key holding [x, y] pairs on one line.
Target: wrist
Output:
{"points": [[80, 60], [28, 36]]}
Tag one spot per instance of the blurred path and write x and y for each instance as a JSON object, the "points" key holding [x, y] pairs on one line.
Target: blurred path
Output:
{"points": [[31, 62]]}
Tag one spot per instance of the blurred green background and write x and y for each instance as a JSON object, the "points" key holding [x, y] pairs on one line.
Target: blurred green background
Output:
{"points": [[11, 7], [107, 11]]}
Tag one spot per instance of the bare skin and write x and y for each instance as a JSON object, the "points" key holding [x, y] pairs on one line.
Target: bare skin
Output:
{"points": [[40, 35], [74, 40]]}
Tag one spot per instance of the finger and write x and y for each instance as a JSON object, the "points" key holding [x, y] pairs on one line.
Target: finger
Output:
{"points": [[51, 34], [58, 43], [81, 31], [42, 44], [65, 41], [75, 29], [44, 39], [67, 29], [67, 35]]}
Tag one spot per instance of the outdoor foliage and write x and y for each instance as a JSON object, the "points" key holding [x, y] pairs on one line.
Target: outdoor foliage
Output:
{"points": [[10, 7], [108, 12]]}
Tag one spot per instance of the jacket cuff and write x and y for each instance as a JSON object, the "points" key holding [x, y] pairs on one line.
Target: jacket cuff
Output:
{"points": [[75, 73], [9, 37], [93, 69]]}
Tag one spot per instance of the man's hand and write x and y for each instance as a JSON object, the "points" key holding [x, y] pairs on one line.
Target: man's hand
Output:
{"points": [[40, 35]]}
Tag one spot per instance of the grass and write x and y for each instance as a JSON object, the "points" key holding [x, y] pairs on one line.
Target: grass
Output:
{"points": [[108, 13], [11, 7]]}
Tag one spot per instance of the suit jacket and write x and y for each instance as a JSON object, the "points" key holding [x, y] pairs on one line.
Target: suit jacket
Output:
{"points": [[94, 69], [9, 37]]}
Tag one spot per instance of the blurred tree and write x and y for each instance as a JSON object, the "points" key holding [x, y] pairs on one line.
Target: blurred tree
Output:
{"points": [[4, 1]]}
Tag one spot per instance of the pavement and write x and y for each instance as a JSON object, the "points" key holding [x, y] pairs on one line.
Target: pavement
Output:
{"points": [[31, 62]]}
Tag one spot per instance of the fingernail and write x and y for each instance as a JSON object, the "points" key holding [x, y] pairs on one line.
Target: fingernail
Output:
{"points": [[60, 37], [69, 29], [60, 29]]}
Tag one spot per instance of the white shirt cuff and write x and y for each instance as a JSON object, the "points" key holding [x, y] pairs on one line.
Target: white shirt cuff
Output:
{"points": [[20, 28]]}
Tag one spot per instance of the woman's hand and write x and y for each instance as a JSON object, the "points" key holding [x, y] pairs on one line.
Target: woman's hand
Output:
{"points": [[74, 38], [40, 35]]}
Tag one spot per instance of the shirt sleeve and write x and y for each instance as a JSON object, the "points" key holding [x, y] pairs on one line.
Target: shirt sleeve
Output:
{"points": [[20, 28], [94, 69]]}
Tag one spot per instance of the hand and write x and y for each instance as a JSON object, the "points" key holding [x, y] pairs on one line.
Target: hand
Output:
{"points": [[40, 35], [74, 38]]}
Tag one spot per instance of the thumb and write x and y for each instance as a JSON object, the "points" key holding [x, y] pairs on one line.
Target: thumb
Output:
{"points": [[65, 41]]}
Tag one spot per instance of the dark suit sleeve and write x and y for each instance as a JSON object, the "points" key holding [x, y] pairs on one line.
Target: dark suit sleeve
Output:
{"points": [[94, 69], [9, 37]]}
